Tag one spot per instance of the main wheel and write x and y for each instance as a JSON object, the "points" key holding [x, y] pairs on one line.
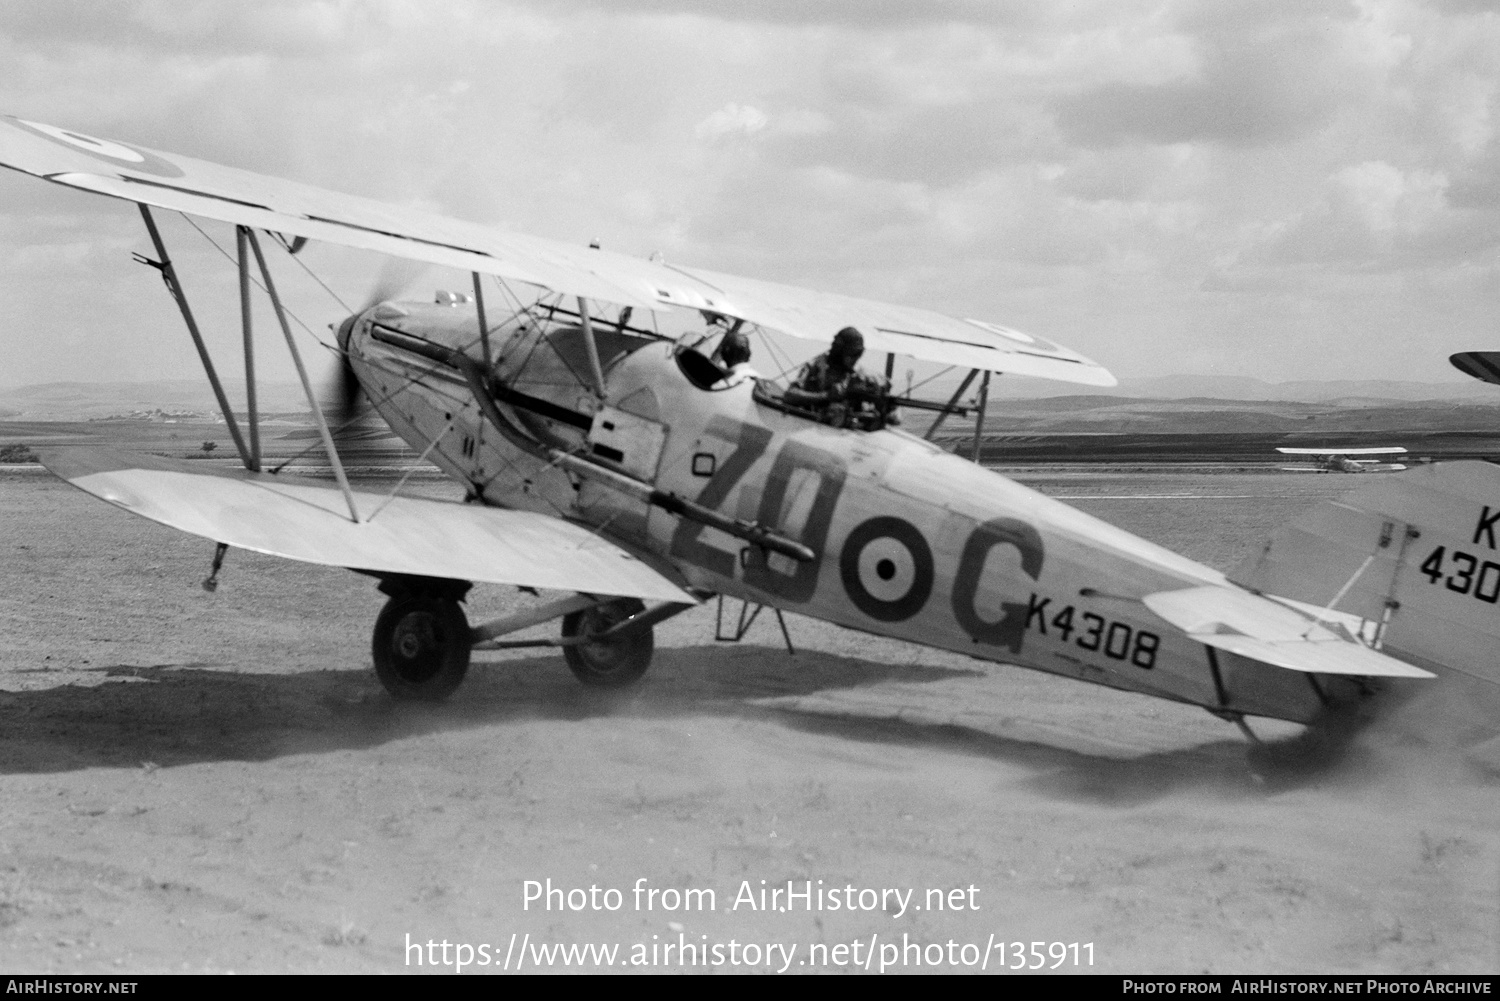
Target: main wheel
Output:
{"points": [[612, 664], [421, 647]]}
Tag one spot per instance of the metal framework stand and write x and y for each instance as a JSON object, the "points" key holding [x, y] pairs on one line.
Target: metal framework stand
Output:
{"points": [[984, 399], [241, 238], [163, 264], [487, 636], [312, 400], [249, 453], [1392, 605], [952, 403], [484, 328], [1225, 713], [746, 620], [595, 369]]}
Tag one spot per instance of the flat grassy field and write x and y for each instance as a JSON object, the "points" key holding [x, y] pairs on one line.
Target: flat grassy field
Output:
{"points": [[216, 782]]}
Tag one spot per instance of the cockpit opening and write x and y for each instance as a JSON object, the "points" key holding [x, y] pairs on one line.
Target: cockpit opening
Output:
{"points": [[727, 366], [700, 370]]}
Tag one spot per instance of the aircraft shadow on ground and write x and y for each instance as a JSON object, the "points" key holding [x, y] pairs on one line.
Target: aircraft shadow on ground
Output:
{"points": [[173, 714], [1223, 766], [183, 714]]}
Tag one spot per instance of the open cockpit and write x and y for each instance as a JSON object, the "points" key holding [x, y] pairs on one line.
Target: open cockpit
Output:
{"points": [[567, 387]]}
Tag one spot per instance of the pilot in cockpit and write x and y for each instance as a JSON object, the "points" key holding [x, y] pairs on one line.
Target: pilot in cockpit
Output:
{"points": [[733, 354], [839, 393]]}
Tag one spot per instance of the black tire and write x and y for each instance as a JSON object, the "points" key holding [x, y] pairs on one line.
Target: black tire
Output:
{"points": [[615, 664], [421, 647]]}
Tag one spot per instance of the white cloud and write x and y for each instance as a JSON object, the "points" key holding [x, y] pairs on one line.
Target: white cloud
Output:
{"points": [[1387, 199], [732, 118], [1185, 174]]}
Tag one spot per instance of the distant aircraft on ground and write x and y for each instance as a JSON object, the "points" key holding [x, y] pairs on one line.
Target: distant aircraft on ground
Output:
{"points": [[1418, 553], [618, 466], [1341, 460]]}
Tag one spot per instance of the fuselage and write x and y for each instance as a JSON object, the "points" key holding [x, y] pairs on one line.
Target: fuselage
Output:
{"points": [[910, 541]]}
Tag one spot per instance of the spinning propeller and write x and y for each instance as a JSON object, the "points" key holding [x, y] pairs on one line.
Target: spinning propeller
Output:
{"points": [[396, 275]]}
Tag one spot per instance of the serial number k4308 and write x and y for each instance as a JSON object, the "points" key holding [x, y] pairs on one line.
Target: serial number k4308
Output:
{"points": [[1094, 633]]}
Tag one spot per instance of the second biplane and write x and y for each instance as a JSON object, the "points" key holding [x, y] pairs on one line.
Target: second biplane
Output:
{"points": [[1345, 460], [626, 470]]}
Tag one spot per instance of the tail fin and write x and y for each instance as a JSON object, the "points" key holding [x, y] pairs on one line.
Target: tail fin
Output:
{"points": [[1416, 554]]}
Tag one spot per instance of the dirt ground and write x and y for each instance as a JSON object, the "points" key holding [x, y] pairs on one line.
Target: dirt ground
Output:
{"points": [[216, 782]]}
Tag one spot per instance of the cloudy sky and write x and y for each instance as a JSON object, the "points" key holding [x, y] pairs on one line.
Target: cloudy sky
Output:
{"points": [[1287, 190]]}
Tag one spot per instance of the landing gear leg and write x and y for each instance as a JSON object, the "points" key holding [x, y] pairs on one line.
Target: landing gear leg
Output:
{"points": [[421, 645], [612, 663], [1238, 719]]}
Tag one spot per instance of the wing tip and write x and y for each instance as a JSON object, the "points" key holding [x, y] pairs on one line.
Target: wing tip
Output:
{"points": [[1481, 365], [1105, 379]]}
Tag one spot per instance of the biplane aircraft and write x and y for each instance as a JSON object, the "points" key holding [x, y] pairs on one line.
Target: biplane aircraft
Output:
{"points": [[1344, 460], [629, 472]]}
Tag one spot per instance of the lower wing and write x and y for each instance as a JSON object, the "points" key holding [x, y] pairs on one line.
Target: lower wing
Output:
{"points": [[307, 520]]}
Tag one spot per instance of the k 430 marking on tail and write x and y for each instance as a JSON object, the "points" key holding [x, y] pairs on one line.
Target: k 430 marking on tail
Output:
{"points": [[1462, 573], [1486, 527]]}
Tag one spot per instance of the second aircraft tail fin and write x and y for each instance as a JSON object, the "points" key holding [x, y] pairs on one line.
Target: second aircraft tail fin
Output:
{"points": [[1416, 555]]}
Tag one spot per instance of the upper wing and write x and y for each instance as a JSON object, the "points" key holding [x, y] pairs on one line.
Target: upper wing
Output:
{"points": [[1482, 365], [902, 330], [306, 520], [1260, 629], [182, 183]]}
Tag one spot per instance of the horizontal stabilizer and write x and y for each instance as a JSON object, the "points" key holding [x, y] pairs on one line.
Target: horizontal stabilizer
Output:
{"points": [[308, 520], [1419, 551], [1267, 631]]}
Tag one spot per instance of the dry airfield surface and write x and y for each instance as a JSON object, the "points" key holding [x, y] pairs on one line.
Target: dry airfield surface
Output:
{"points": [[216, 782]]}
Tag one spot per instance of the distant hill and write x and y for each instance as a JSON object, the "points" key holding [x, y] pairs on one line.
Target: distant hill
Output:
{"points": [[65, 401], [1348, 392], [1177, 387], [74, 401], [1081, 428], [1126, 415]]}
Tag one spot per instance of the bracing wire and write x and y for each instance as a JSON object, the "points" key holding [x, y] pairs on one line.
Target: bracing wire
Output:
{"points": [[925, 381], [777, 356], [257, 283], [407, 380]]}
